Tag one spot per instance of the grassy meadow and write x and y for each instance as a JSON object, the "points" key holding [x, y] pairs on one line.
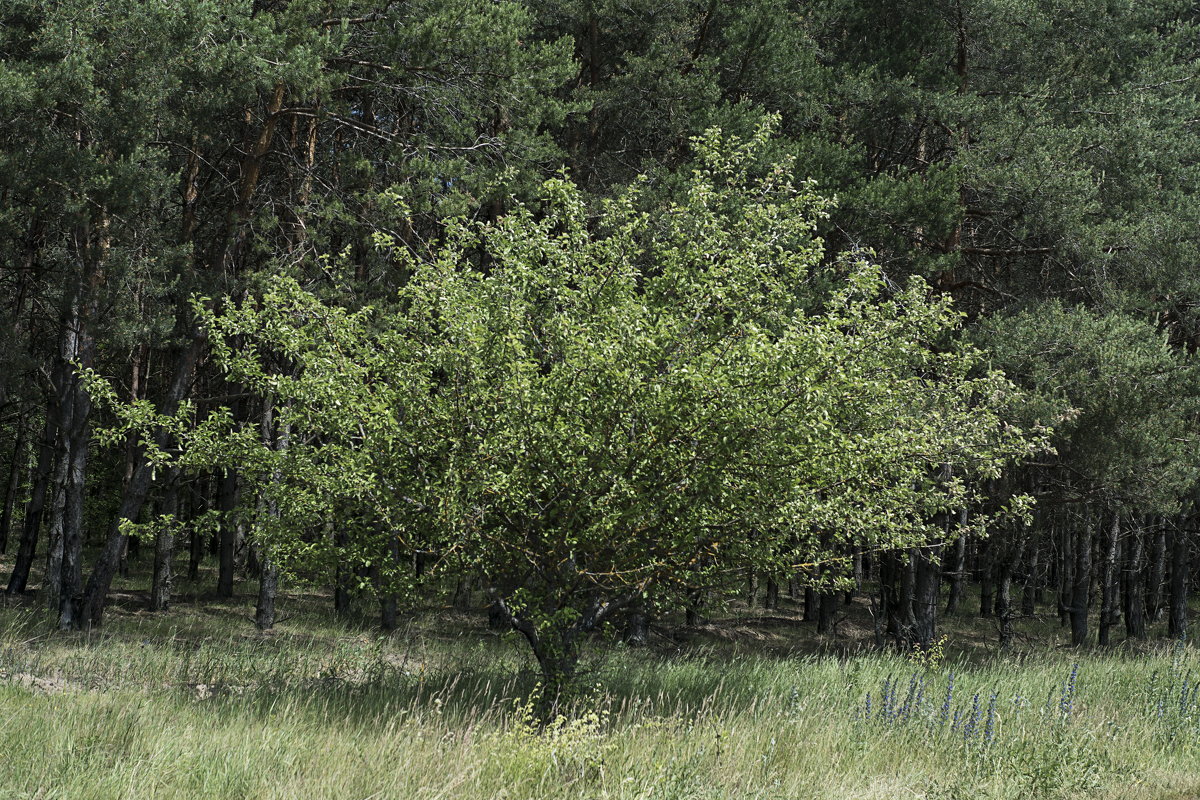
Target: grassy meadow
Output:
{"points": [[197, 704]]}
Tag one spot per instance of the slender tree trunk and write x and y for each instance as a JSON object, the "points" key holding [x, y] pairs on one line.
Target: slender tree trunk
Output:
{"points": [[34, 509], [227, 536], [1177, 613], [637, 629], [268, 580], [958, 569], [1081, 584], [1135, 600], [987, 594], [1033, 579], [13, 485], [925, 596], [341, 589], [164, 551], [1108, 581], [1066, 574], [1158, 571], [1005, 567], [96, 596], [752, 589], [772, 599]]}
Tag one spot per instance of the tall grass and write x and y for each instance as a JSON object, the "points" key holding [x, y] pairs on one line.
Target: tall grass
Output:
{"points": [[155, 709]]}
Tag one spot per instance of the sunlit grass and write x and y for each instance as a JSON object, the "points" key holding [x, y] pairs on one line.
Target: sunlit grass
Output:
{"points": [[196, 704]]}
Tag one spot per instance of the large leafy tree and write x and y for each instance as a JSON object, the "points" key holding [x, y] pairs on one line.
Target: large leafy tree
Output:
{"points": [[587, 405]]}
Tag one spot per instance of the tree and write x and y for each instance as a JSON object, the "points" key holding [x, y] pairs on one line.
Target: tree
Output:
{"points": [[590, 408]]}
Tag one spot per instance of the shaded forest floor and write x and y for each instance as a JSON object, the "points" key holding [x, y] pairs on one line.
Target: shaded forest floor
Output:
{"points": [[196, 703]]}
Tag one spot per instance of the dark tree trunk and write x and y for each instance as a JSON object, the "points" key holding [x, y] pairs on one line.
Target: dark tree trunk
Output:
{"points": [[810, 605], [195, 554], [164, 551], [1177, 613], [637, 628], [1132, 585], [227, 541], [987, 595], [752, 589], [1033, 579], [827, 611], [1005, 567], [1066, 574], [1081, 584], [12, 486], [268, 588], [1108, 581], [1158, 571], [389, 602], [100, 581], [772, 599], [958, 570], [34, 509], [925, 594]]}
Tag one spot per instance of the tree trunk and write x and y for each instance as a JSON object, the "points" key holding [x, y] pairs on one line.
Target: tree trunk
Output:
{"points": [[987, 595], [637, 629], [13, 485], [96, 596], [1133, 584], [1177, 613], [268, 587], [342, 573], [1033, 579], [1158, 571], [958, 569], [1108, 581], [164, 551], [34, 509], [925, 594], [772, 599], [1081, 584], [228, 532], [1066, 574]]}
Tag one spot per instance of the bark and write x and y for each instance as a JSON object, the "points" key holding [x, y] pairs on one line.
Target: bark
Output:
{"points": [[772, 599], [164, 551], [1033, 580], [1135, 600], [958, 569], [268, 588], [228, 533], [1005, 567], [925, 596], [1108, 582], [389, 602], [908, 592], [637, 629], [752, 589], [1081, 584], [1066, 574], [34, 509], [96, 596], [1158, 572], [12, 486], [827, 612], [268, 579], [987, 595], [1177, 612]]}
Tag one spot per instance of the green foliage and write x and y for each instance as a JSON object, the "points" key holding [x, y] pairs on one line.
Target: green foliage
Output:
{"points": [[585, 406], [1121, 399]]}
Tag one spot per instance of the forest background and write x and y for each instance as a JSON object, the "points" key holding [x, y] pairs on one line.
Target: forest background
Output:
{"points": [[216, 216]]}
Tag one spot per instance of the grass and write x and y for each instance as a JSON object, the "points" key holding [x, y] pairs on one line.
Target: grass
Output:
{"points": [[196, 704]]}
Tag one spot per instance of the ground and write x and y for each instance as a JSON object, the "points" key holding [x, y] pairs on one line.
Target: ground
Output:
{"points": [[196, 703]]}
